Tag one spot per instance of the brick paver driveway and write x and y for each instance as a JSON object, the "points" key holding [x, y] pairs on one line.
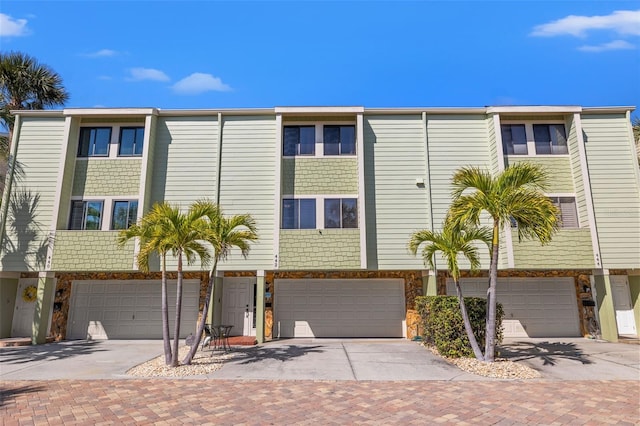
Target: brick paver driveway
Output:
{"points": [[162, 401]]}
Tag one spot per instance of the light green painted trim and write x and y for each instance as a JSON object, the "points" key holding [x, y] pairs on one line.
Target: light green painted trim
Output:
{"points": [[91, 251], [44, 299], [569, 248], [319, 249], [430, 285], [107, 177], [216, 315], [634, 290], [606, 309], [559, 169], [8, 289], [326, 175], [260, 282]]}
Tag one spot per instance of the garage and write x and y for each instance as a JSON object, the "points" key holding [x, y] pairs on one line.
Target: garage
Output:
{"points": [[533, 307], [115, 309], [339, 308]]}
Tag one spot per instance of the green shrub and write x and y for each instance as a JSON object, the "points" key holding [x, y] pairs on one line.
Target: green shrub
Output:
{"points": [[441, 323]]}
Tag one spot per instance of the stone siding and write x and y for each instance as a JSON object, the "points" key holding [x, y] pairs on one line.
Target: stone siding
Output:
{"points": [[91, 250], [108, 177], [310, 176], [319, 249]]}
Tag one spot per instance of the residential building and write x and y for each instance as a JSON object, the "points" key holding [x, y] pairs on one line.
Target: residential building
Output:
{"points": [[336, 193]]}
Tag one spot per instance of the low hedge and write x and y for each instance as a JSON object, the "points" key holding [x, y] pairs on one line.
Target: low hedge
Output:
{"points": [[441, 323]]}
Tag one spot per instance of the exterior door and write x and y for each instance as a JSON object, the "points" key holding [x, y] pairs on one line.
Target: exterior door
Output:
{"points": [[237, 305], [22, 325], [622, 304]]}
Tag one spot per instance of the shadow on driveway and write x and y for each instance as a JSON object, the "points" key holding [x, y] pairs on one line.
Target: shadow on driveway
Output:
{"points": [[7, 396], [253, 354], [547, 352], [49, 351]]}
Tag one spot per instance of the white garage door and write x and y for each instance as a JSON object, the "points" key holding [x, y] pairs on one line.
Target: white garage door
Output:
{"points": [[113, 309], [339, 308], [533, 307]]}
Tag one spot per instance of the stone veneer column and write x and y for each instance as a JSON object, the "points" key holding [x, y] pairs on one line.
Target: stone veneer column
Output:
{"points": [[604, 303], [46, 287]]}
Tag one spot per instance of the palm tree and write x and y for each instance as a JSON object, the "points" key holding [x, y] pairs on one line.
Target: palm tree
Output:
{"points": [[451, 241], [169, 230], [223, 233], [26, 84], [150, 233], [513, 196]]}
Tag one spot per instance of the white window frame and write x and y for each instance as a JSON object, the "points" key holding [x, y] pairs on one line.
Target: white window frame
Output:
{"points": [[557, 196], [531, 143], [122, 200], [107, 208], [319, 126], [114, 143], [329, 197], [320, 208]]}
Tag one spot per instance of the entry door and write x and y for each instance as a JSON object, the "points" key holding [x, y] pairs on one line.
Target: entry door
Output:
{"points": [[622, 303], [22, 325], [237, 305]]}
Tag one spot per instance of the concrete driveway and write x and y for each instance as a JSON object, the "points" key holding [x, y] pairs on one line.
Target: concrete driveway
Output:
{"points": [[324, 359], [339, 359]]}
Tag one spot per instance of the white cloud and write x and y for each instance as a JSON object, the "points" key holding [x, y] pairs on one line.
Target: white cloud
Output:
{"points": [[103, 53], [138, 74], [624, 22], [613, 45], [10, 27], [198, 83]]}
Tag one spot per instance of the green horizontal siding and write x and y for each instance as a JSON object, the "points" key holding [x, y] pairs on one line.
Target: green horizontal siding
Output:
{"points": [[615, 188], [309, 176], [569, 248], [94, 177], [39, 153], [577, 172], [394, 157], [91, 251], [319, 249], [559, 169], [184, 159]]}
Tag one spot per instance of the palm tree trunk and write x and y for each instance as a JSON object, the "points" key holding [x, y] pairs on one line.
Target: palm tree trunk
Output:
{"points": [[467, 323], [490, 337], [176, 335], [165, 313], [203, 317]]}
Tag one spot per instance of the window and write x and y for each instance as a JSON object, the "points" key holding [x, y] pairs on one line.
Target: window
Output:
{"points": [[298, 213], [94, 141], [568, 211], [514, 139], [131, 141], [550, 139], [340, 213], [86, 215], [339, 140], [125, 214], [299, 140]]}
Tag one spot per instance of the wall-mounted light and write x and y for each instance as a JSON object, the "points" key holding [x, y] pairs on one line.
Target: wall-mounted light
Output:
{"points": [[419, 181]]}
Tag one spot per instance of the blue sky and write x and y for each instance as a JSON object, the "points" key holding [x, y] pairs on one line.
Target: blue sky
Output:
{"points": [[241, 54]]}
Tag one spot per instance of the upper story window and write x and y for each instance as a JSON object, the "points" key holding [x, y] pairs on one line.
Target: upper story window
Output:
{"points": [[568, 211], [131, 141], [514, 139], [550, 139], [299, 140], [339, 140], [340, 213], [298, 213], [86, 215], [125, 214], [534, 139], [94, 141]]}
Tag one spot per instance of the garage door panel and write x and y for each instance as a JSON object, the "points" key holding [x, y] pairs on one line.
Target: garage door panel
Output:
{"points": [[127, 309], [534, 307], [348, 308]]}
